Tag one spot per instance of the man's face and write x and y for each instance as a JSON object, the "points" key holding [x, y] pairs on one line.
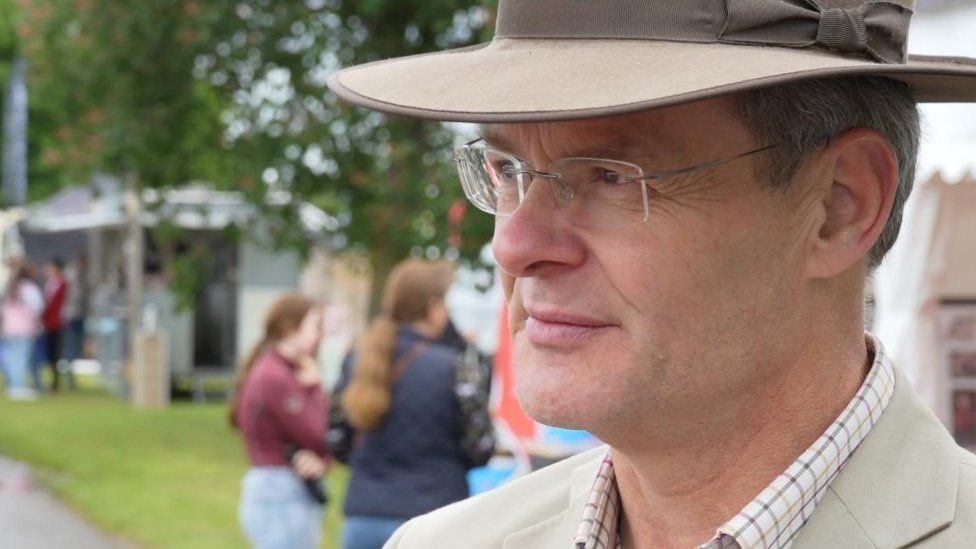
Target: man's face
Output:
{"points": [[661, 318]]}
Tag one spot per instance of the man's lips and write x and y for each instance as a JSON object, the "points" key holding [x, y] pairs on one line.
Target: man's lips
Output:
{"points": [[553, 328]]}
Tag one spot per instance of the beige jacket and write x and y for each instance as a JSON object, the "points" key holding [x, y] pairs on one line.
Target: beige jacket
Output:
{"points": [[907, 485]]}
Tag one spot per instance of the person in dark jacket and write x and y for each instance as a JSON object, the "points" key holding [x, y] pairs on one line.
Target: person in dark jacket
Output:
{"points": [[76, 310], [55, 291], [281, 412], [400, 390]]}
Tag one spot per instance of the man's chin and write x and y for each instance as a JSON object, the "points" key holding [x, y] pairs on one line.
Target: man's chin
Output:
{"points": [[551, 405], [556, 417], [557, 388]]}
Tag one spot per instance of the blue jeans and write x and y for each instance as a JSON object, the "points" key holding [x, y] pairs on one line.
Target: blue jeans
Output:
{"points": [[17, 361], [37, 360], [72, 347], [3, 366], [362, 532], [74, 339], [276, 512]]}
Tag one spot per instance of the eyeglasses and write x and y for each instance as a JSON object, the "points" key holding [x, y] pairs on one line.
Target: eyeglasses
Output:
{"points": [[592, 192]]}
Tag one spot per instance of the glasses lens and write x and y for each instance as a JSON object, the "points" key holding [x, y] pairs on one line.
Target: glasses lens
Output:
{"points": [[590, 192], [603, 193], [473, 174], [491, 179], [505, 180]]}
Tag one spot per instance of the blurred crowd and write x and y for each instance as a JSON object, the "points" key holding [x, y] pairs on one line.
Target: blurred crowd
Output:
{"points": [[409, 416], [42, 323]]}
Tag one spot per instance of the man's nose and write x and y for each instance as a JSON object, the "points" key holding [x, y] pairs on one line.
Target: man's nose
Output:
{"points": [[535, 235]]}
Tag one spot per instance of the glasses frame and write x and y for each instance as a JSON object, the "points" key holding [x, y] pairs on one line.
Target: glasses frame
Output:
{"points": [[475, 194]]}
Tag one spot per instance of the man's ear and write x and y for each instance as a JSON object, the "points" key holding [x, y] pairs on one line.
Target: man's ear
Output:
{"points": [[858, 202]]}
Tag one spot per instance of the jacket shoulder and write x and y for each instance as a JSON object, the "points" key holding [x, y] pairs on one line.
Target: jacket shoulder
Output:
{"points": [[484, 521], [966, 497], [962, 531]]}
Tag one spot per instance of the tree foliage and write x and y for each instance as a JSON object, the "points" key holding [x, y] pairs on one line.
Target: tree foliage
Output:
{"points": [[111, 90], [391, 177], [8, 37], [233, 92]]}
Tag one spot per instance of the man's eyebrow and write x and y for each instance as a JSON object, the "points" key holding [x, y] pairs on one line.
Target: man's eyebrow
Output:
{"points": [[617, 147], [647, 147], [624, 151], [622, 145], [493, 137]]}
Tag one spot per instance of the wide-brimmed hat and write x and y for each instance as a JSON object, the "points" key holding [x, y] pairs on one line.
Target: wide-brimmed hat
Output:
{"points": [[571, 59]]}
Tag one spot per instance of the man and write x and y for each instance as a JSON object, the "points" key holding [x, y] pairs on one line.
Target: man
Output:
{"points": [[689, 197], [55, 291]]}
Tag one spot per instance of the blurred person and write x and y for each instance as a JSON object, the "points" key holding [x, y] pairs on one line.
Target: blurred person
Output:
{"points": [[76, 310], [38, 356], [55, 291], [281, 411], [452, 337], [20, 311], [477, 366], [409, 398], [39, 347], [12, 264]]}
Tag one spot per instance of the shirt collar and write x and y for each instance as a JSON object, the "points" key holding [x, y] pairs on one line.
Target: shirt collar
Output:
{"points": [[601, 515], [775, 515]]}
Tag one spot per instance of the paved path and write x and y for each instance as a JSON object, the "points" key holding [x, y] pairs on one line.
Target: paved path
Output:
{"points": [[30, 518]]}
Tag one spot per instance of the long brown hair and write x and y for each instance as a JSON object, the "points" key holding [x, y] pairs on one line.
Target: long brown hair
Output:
{"points": [[411, 288], [284, 317]]}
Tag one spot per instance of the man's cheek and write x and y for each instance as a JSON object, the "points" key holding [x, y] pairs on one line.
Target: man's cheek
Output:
{"points": [[508, 285]]}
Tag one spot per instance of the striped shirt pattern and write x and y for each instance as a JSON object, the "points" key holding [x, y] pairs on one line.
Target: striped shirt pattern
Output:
{"points": [[773, 518]]}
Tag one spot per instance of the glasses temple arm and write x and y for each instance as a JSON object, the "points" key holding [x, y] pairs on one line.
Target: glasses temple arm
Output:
{"points": [[706, 165]]}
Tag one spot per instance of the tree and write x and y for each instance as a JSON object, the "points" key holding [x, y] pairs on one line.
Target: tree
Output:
{"points": [[8, 37], [392, 178], [233, 92], [111, 84], [112, 91]]}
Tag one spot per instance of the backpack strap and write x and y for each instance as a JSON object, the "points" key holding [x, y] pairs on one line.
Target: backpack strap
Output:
{"points": [[401, 364]]}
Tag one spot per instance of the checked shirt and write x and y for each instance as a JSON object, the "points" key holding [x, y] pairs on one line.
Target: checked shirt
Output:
{"points": [[773, 518]]}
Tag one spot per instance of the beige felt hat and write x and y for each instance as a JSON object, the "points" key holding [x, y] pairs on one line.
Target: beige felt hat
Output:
{"points": [[570, 59]]}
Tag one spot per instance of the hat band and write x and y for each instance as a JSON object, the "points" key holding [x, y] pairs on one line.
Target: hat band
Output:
{"points": [[875, 29]]}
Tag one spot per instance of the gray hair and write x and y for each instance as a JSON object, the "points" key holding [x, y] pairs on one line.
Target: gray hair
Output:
{"points": [[803, 117]]}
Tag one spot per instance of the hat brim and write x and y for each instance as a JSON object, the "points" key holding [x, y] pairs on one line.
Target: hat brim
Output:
{"points": [[526, 80]]}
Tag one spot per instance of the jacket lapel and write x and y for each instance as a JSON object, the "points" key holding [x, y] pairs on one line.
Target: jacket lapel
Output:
{"points": [[899, 486], [557, 531]]}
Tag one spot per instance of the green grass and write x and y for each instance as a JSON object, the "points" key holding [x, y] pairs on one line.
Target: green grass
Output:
{"points": [[159, 478]]}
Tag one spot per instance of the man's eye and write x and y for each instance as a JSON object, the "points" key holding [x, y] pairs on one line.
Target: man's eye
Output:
{"points": [[612, 177], [504, 169]]}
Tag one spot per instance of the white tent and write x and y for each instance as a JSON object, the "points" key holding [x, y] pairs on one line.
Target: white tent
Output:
{"points": [[934, 259]]}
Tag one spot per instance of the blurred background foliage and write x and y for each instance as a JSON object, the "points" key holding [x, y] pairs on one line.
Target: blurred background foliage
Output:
{"points": [[232, 93]]}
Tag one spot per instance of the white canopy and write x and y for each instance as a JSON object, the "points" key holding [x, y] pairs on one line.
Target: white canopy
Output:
{"points": [[933, 259]]}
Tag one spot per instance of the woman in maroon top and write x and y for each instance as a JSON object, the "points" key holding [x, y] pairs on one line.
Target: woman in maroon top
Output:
{"points": [[281, 412]]}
